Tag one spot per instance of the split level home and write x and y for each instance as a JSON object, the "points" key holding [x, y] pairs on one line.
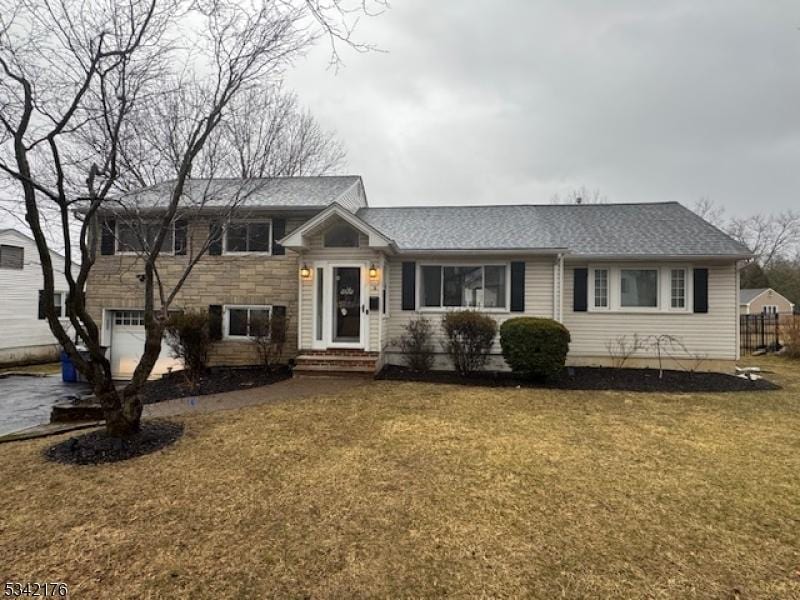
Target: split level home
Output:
{"points": [[25, 336], [349, 277]]}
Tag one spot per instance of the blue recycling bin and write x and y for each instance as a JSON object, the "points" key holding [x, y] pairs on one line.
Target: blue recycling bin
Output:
{"points": [[68, 372]]}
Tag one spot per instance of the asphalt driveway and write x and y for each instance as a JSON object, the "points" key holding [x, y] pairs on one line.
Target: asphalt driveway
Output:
{"points": [[25, 400]]}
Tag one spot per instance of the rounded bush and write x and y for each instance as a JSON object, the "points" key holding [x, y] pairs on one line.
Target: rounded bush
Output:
{"points": [[469, 336], [533, 347]]}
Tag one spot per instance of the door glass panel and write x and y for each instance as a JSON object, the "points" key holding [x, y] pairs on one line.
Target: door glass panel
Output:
{"points": [[347, 304], [320, 305]]}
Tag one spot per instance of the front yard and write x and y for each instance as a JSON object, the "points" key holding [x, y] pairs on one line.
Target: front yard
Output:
{"points": [[422, 490]]}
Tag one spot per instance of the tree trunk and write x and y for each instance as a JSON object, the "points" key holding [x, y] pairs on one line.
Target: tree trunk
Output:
{"points": [[123, 414]]}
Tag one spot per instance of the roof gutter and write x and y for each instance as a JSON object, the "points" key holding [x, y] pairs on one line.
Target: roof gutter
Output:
{"points": [[641, 257], [486, 251]]}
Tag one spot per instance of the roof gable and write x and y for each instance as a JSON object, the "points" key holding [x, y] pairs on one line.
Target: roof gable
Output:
{"points": [[748, 296], [299, 238]]}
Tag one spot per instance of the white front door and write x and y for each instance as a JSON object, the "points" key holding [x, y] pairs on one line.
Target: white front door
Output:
{"points": [[340, 305]]}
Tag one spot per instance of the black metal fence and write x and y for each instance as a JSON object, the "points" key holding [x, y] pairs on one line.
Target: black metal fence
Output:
{"points": [[757, 332]]}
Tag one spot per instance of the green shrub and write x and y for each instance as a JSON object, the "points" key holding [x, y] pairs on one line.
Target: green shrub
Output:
{"points": [[469, 338], [188, 338], [416, 345], [534, 348]]}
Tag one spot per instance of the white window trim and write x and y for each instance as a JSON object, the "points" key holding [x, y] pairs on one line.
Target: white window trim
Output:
{"points": [[764, 308], [171, 251], [664, 291], [445, 309], [686, 283], [226, 252], [63, 314], [590, 297], [226, 319]]}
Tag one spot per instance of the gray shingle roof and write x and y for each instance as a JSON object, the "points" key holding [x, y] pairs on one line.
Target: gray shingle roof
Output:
{"points": [[747, 296], [664, 229], [285, 192]]}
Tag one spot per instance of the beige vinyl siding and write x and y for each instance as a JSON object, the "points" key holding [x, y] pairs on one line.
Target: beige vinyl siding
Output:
{"points": [[538, 300], [306, 331], [712, 335], [317, 252]]}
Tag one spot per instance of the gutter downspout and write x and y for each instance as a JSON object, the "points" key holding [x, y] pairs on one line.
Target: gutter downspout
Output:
{"points": [[558, 287], [561, 288]]}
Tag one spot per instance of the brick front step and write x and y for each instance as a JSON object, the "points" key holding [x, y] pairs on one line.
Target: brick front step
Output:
{"points": [[340, 352], [337, 363]]}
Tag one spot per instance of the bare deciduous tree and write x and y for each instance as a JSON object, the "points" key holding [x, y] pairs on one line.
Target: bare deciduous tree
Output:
{"points": [[769, 236], [98, 97]]}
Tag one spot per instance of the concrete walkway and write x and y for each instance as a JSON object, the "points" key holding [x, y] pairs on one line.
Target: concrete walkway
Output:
{"points": [[289, 389]]}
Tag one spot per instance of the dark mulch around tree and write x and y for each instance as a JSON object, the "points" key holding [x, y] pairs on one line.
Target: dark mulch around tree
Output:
{"points": [[218, 379], [98, 447], [592, 378]]}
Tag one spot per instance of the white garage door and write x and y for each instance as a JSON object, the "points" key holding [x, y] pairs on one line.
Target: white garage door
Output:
{"points": [[127, 346]]}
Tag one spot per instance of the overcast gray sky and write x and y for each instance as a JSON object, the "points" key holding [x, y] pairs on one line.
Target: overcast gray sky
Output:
{"points": [[513, 101]]}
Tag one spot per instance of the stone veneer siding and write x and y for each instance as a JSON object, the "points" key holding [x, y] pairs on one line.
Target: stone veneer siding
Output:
{"points": [[226, 279]]}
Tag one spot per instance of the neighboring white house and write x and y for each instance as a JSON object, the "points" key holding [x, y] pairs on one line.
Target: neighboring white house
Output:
{"points": [[24, 336], [764, 300]]}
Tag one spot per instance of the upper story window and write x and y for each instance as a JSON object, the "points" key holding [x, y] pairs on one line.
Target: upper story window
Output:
{"points": [[770, 309], [134, 238], [12, 257], [341, 235], [247, 237], [443, 286]]}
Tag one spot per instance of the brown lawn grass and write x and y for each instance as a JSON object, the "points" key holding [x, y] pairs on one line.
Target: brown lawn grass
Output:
{"points": [[417, 491]]}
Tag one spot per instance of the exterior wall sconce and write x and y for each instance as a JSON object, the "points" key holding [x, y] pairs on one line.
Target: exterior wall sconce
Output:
{"points": [[373, 272], [305, 272]]}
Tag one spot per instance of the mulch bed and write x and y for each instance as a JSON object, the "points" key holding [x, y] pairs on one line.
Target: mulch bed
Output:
{"points": [[218, 379], [592, 378], [98, 447]]}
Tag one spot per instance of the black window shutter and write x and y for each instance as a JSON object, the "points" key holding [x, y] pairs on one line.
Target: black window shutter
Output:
{"points": [[278, 231], [279, 311], [107, 236], [700, 277], [181, 231], [579, 300], [215, 238], [518, 286], [41, 305], [215, 322], [409, 293]]}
